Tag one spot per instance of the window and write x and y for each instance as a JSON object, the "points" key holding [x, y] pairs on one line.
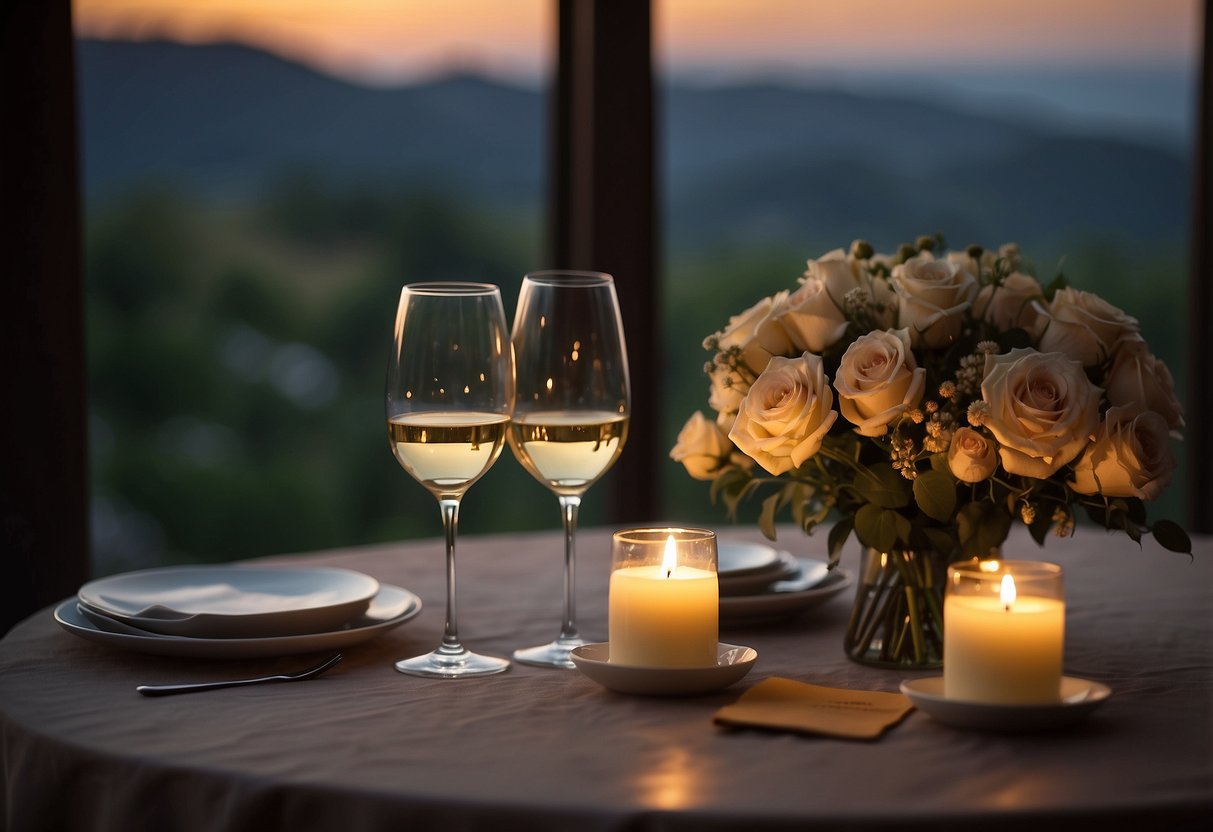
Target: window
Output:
{"points": [[794, 128], [261, 178]]}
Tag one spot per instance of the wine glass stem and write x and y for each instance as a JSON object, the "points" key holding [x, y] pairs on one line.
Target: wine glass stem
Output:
{"points": [[568, 511], [450, 525]]}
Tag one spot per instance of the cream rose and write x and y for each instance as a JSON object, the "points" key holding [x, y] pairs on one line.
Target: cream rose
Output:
{"points": [[1085, 327], [1130, 457], [727, 390], [1139, 380], [971, 457], [702, 447], [755, 333], [1010, 252], [932, 297], [786, 413], [843, 274], [1043, 409], [878, 381], [966, 261], [1013, 303], [810, 317]]}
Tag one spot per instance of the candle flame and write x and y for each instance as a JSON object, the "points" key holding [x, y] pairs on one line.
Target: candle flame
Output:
{"points": [[670, 561], [1006, 593]]}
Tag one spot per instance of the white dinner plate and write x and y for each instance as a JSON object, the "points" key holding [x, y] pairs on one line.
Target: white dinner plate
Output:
{"points": [[390, 608], [739, 557], [783, 599], [732, 663], [1078, 698], [233, 601], [747, 583]]}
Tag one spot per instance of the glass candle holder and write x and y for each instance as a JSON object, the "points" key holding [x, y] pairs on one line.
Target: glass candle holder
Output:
{"points": [[664, 608], [1004, 632]]}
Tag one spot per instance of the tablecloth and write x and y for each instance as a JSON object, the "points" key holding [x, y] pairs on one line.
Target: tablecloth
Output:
{"points": [[366, 748]]}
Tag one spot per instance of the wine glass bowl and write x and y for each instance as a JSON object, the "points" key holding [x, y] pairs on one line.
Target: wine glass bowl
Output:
{"points": [[449, 396], [573, 403]]}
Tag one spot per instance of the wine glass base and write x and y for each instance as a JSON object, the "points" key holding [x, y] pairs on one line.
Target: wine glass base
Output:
{"points": [[553, 654], [456, 665]]}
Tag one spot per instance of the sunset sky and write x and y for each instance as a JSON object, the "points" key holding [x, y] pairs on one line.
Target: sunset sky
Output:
{"points": [[388, 41]]}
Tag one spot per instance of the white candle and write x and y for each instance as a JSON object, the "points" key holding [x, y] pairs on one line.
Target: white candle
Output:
{"points": [[1003, 648], [664, 615]]}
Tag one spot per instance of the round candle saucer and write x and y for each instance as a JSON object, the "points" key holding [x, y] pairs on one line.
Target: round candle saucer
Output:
{"points": [[1079, 697], [732, 663]]}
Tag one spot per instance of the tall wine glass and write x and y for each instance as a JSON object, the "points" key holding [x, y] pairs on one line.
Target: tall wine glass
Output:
{"points": [[571, 417], [450, 391]]}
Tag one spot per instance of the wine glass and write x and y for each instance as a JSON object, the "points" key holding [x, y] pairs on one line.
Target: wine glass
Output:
{"points": [[449, 394], [571, 417]]}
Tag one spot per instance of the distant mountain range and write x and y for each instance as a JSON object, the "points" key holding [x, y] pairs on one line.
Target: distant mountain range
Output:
{"points": [[755, 162]]}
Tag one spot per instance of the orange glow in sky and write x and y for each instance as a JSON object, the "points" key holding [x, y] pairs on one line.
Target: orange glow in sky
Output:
{"points": [[370, 40], [396, 40]]}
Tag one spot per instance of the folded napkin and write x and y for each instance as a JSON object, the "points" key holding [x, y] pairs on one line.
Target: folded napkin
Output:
{"points": [[784, 704]]}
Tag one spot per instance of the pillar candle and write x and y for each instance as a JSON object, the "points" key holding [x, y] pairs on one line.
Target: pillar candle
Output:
{"points": [[665, 614], [1003, 647]]}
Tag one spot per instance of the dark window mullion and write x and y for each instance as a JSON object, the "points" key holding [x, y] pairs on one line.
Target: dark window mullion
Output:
{"points": [[43, 467], [603, 204], [1199, 441]]}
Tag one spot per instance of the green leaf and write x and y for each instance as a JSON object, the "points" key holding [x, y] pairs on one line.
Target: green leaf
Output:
{"points": [[881, 485], [881, 528], [941, 540], [939, 462], [839, 533], [1136, 510], [982, 528], [799, 499], [935, 493], [1040, 527], [1098, 514], [1058, 282], [766, 520], [1171, 536], [730, 479]]}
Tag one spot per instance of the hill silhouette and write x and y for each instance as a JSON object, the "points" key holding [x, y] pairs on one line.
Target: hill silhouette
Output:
{"points": [[755, 160]]}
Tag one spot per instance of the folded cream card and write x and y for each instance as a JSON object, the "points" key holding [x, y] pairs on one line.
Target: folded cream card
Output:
{"points": [[835, 712]]}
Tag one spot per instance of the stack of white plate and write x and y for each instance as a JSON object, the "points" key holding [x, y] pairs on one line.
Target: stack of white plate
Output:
{"points": [[760, 584], [236, 611]]}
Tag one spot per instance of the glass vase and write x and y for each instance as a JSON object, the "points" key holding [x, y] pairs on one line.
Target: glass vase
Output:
{"points": [[897, 619]]}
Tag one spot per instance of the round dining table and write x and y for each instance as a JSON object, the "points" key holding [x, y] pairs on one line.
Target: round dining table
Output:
{"points": [[364, 747]]}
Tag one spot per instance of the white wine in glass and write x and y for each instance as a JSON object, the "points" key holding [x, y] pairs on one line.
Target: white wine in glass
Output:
{"points": [[449, 395], [571, 416]]}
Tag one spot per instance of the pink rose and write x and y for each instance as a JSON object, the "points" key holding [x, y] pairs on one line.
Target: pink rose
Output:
{"points": [[786, 414], [1130, 457], [878, 381], [1085, 327], [932, 297], [971, 457], [1043, 410]]}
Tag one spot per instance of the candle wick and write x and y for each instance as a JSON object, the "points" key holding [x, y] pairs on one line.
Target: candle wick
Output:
{"points": [[1007, 607], [669, 572]]}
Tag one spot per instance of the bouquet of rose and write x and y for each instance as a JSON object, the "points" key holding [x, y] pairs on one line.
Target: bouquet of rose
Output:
{"points": [[931, 400]]}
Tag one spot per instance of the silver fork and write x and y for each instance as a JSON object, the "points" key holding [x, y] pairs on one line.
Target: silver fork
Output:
{"points": [[310, 673]]}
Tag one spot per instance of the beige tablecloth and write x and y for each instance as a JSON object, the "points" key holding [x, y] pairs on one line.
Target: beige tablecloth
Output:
{"points": [[367, 748]]}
